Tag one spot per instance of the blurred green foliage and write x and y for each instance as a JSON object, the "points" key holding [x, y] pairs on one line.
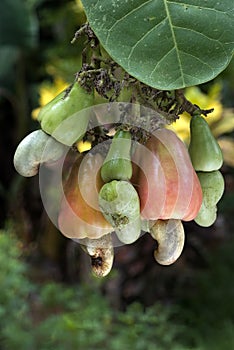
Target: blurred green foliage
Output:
{"points": [[207, 307], [15, 287], [54, 316]]}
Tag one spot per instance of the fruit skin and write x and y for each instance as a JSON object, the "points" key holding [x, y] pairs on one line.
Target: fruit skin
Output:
{"points": [[206, 216], [63, 106], [79, 215], [30, 152], [212, 184], [119, 202], [101, 252], [170, 237], [120, 205], [165, 180], [117, 164], [204, 150]]}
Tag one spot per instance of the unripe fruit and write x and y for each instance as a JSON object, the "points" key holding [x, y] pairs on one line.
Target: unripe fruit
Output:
{"points": [[206, 216], [212, 184], [59, 111], [204, 150], [117, 165]]}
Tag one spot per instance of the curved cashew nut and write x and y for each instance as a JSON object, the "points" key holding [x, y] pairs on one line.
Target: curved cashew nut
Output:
{"points": [[170, 237], [101, 253], [30, 152]]}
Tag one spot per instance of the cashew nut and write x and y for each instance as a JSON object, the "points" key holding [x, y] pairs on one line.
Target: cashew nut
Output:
{"points": [[30, 152], [101, 253], [129, 233], [170, 237]]}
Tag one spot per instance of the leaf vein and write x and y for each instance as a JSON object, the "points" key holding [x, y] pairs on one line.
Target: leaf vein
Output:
{"points": [[124, 17], [174, 39], [142, 38], [164, 56], [199, 59], [196, 6], [195, 31]]}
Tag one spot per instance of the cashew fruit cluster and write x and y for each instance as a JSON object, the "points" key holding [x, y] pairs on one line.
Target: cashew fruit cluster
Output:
{"points": [[135, 187], [206, 157], [152, 187]]}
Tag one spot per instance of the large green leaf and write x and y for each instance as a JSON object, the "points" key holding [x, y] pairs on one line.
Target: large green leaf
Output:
{"points": [[167, 44]]}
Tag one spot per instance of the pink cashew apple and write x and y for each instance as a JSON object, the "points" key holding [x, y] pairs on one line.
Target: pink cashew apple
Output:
{"points": [[165, 180], [79, 215]]}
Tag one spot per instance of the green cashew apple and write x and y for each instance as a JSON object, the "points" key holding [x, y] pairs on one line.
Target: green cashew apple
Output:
{"points": [[117, 165], [206, 216], [57, 112], [204, 150], [212, 184]]}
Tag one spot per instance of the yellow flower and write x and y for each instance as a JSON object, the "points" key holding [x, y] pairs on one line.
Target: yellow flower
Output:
{"points": [[204, 101], [83, 146], [47, 92], [79, 5], [221, 121]]}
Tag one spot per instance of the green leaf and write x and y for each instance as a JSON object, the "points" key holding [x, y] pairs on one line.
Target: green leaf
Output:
{"points": [[167, 44]]}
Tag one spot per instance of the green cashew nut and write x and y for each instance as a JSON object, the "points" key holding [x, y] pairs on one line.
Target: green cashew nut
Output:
{"points": [[204, 150], [119, 203], [117, 165], [30, 152]]}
